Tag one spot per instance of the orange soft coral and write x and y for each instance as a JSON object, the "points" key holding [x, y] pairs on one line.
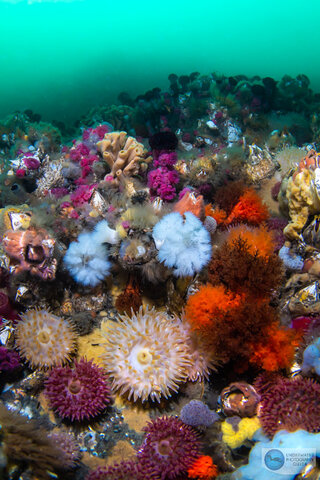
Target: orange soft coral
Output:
{"points": [[230, 324], [217, 213], [278, 349], [249, 209], [209, 304], [203, 468], [260, 241]]}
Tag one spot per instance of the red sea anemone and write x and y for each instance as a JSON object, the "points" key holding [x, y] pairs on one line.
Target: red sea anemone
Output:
{"points": [[169, 450], [78, 393], [288, 404]]}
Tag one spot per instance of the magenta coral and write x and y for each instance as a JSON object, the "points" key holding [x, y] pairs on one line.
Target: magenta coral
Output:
{"points": [[78, 393], [165, 159], [288, 404], [162, 183], [169, 449], [78, 151], [81, 195]]}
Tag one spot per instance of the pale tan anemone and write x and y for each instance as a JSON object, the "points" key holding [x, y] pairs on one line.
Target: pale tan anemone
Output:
{"points": [[147, 355], [43, 339]]}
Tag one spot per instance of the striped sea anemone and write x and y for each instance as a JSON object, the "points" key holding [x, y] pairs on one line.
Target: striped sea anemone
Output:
{"points": [[169, 450], [147, 355], [43, 339], [78, 393]]}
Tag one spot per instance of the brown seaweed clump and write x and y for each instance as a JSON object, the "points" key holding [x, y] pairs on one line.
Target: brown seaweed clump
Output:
{"points": [[28, 445]]}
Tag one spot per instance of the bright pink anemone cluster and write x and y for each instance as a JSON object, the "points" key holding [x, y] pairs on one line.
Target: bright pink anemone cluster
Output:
{"points": [[163, 180], [288, 404], [82, 154], [164, 159], [30, 162], [81, 195], [78, 393], [93, 135], [169, 449]]}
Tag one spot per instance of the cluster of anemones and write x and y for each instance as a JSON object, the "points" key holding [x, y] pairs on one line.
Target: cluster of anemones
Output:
{"points": [[43, 339], [148, 355], [169, 450]]}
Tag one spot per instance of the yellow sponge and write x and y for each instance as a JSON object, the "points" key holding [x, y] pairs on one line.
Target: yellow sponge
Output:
{"points": [[234, 437]]}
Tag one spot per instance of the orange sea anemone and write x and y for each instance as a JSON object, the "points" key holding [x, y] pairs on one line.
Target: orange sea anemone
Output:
{"points": [[203, 468]]}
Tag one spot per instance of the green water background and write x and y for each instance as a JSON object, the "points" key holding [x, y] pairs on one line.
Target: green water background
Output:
{"points": [[60, 58]]}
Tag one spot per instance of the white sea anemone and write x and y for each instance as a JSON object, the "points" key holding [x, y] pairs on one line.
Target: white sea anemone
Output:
{"points": [[44, 339], [87, 260], [183, 243], [147, 355], [87, 257]]}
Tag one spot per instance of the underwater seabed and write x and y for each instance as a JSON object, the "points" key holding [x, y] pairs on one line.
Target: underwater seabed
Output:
{"points": [[159, 275]]}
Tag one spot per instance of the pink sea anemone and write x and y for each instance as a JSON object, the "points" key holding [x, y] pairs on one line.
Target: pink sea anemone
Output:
{"points": [[169, 449], [78, 393], [288, 404]]}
